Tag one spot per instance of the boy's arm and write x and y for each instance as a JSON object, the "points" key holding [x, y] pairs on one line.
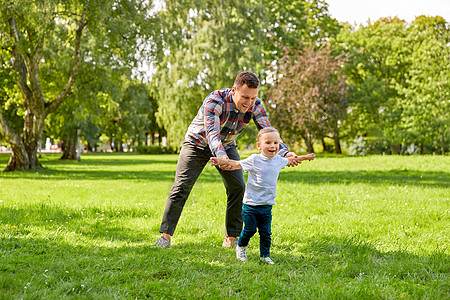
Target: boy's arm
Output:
{"points": [[301, 158], [226, 164]]}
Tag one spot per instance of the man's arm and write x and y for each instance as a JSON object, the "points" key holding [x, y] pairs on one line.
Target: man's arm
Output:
{"points": [[213, 106]]}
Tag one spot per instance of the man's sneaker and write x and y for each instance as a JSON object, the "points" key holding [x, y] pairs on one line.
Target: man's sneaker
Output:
{"points": [[267, 260], [162, 243], [227, 244], [241, 253]]}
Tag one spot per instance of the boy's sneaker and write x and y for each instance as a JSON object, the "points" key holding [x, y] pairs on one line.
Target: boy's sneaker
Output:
{"points": [[162, 243], [227, 244], [241, 253], [267, 260]]}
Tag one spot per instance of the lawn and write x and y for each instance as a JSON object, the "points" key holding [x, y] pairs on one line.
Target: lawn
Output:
{"points": [[374, 227]]}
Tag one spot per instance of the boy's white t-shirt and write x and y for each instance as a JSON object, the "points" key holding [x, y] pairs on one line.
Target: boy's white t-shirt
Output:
{"points": [[262, 178]]}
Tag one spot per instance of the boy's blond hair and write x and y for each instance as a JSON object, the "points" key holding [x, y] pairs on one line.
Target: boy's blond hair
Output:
{"points": [[266, 130]]}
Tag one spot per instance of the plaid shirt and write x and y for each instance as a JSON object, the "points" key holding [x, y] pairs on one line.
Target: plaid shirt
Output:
{"points": [[218, 123]]}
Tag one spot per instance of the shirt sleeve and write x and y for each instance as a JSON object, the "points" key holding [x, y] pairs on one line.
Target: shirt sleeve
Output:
{"points": [[213, 105], [261, 121], [284, 162], [248, 163]]}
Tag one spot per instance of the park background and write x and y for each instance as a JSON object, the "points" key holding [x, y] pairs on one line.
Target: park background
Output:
{"points": [[368, 218], [121, 75]]}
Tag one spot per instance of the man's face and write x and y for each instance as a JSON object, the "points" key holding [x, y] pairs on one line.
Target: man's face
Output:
{"points": [[269, 144], [244, 97]]}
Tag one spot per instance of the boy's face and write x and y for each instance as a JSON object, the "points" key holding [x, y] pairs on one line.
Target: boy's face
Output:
{"points": [[244, 97], [269, 144]]}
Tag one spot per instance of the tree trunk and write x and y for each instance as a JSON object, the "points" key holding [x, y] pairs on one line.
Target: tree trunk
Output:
{"points": [[308, 142], [69, 148], [18, 161], [24, 150], [324, 145], [22, 160], [79, 147], [69, 151], [337, 144], [119, 147]]}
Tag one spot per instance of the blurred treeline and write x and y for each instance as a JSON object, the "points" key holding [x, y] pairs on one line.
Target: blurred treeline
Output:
{"points": [[143, 70]]}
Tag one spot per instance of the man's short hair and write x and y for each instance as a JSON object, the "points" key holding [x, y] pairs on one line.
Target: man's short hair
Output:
{"points": [[266, 130], [248, 78]]}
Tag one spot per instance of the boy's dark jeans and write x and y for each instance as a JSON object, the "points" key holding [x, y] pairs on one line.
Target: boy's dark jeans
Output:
{"points": [[191, 162], [257, 217]]}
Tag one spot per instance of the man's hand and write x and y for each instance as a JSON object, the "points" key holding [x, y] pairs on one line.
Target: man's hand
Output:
{"points": [[214, 161], [223, 163], [294, 162]]}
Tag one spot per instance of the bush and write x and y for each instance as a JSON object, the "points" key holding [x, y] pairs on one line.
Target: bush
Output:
{"points": [[412, 149], [358, 147], [156, 150]]}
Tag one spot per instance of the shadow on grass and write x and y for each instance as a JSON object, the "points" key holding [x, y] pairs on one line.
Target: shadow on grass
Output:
{"points": [[428, 178], [122, 162], [99, 159], [403, 177], [58, 169], [107, 175], [358, 262], [331, 268], [354, 257], [98, 223]]}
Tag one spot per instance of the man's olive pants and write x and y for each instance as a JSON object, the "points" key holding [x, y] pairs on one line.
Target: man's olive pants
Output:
{"points": [[191, 162]]}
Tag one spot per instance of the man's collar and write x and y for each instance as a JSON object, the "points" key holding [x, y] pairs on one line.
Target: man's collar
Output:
{"points": [[230, 100]]}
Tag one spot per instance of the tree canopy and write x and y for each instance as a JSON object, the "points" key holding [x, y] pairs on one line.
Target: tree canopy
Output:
{"points": [[398, 81], [44, 44], [70, 69], [207, 43], [308, 96]]}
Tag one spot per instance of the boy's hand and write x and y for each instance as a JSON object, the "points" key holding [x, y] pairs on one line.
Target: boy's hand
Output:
{"points": [[310, 156], [292, 162], [301, 158]]}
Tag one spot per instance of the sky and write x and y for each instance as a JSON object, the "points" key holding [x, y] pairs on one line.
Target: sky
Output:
{"points": [[359, 11]]}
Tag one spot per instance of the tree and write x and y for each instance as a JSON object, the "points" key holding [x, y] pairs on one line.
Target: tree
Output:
{"points": [[378, 58], [206, 43], [26, 48], [80, 116], [308, 97], [130, 120], [398, 82], [426, 93], [38, 35]]}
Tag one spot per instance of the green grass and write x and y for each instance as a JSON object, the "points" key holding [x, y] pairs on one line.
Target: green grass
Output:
{"points": [[373, 227]]}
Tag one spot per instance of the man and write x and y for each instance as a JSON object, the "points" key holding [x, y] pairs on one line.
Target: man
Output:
{"points": [[223, 116]]}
